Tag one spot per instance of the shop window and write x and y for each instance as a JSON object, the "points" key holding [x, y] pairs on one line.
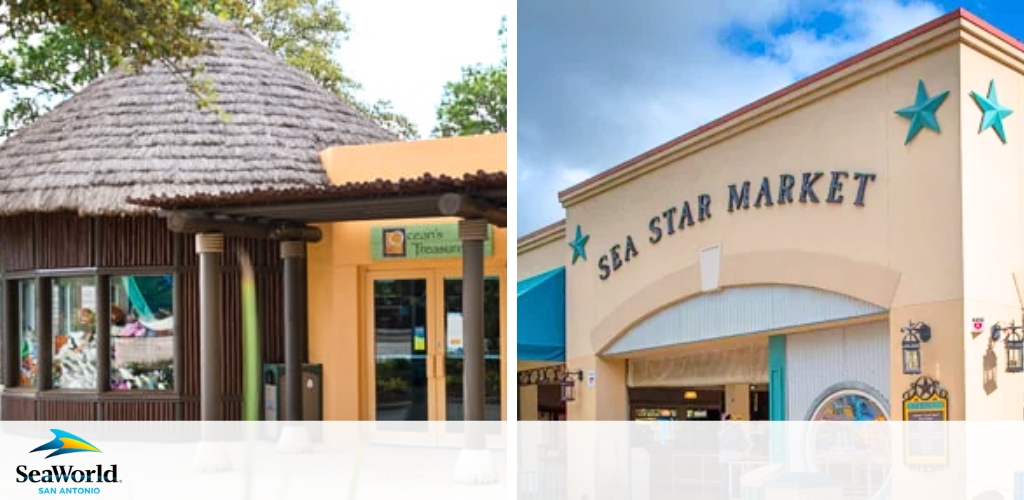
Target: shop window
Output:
{"points": [[29, 342], [142, 332], [74, 333]]}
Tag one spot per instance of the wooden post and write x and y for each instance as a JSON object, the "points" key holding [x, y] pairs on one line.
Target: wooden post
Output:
{"points": [[474, 465], [294, 255], [12, 337], [210, 247]]}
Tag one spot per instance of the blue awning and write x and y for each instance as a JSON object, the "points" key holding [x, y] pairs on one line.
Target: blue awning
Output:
{"points": [[541, 317]]}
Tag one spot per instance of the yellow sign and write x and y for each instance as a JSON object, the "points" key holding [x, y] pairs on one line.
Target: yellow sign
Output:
{"points": [[926, 405]]}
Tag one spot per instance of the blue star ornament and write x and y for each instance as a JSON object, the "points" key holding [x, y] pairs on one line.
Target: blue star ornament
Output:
{"points": [[922, 113], [579, 245], [992, 113]]}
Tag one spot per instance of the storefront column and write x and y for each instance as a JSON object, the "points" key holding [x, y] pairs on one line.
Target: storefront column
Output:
{"points": [[210, 247], [474, 465], [12, 339], [44, 334], [211, 454], [293, 436]]}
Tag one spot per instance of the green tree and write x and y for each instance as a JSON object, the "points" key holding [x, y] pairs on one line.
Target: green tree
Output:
{"points": [[477, 103], [59, 46]]}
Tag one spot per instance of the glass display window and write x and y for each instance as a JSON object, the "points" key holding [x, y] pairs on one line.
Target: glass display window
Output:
{"points": [[74, 333], [142, 333]]}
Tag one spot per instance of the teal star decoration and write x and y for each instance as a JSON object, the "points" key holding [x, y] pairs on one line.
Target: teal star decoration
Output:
{"points": [[579, 245], [993, 113], [922, 113]]}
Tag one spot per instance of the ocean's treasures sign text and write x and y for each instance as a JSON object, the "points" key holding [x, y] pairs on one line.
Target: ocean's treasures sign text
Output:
{"points": [[809, 187]]}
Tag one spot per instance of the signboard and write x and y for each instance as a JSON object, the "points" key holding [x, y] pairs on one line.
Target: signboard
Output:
{"points": [[591, 378], [927, 404], [421, 241], [800, 189], [454, 334], [419, 339], [977, 326]]}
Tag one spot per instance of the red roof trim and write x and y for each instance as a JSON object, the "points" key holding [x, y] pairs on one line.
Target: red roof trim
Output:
{"points": [[914, 33]]}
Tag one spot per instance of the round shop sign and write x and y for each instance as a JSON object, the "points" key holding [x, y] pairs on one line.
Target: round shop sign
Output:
{"points": [[848, 426]]}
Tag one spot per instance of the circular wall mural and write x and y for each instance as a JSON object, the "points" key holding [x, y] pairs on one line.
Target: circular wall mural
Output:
{"points": [[848, 429], [850, 404]]}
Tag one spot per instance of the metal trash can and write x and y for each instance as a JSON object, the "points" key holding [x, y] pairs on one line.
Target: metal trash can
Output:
{"points": [[802, 486], [274, 394]]}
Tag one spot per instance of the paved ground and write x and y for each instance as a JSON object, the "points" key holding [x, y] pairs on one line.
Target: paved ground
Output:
{"points": [[163, 471]]}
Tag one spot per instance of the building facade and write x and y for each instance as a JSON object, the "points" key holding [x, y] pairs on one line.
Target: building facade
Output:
{"points": [[840, 249], [114, 309], [385, 296]]}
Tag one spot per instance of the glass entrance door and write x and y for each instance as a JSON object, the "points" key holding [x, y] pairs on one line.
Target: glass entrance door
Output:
{"points": [[454, 358], [416, 352], [400, 346]]}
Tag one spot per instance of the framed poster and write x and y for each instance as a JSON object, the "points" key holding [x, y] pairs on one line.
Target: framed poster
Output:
{"points": [[926, 404]]}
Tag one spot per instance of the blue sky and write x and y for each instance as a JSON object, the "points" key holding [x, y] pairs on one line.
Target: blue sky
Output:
{"points": [[601, 81]]}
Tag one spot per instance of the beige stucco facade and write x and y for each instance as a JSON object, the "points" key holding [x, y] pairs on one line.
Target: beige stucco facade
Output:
{"points": [[926, 231], [342, 270]]}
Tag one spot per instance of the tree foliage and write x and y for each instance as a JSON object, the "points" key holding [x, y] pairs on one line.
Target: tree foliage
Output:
{"points": [[477, 103], [59, 46]]}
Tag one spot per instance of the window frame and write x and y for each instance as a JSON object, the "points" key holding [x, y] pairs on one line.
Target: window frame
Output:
{"points": [[102, 278]]}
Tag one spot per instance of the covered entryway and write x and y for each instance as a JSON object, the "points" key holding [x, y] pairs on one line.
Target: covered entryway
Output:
{"points": [[289, 217]]}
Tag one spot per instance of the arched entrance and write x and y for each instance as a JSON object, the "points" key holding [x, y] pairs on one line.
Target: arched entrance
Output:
{"points": [[725, 351]]}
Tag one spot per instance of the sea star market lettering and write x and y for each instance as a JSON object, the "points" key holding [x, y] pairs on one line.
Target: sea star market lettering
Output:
{"points": [[787, 190]]}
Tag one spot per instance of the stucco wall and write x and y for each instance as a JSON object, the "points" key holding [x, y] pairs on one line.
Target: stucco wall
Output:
{"points": [[901, 250], [820, 359], [993, 226], [341, 265], [541, 257]]}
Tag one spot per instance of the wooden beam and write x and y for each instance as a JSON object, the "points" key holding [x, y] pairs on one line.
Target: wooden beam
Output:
{"points": [[467, 207], [183, 222], [307, 234]]}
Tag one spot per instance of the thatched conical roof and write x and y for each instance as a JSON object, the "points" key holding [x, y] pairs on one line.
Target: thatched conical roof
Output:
{"points": [[139, 135]]}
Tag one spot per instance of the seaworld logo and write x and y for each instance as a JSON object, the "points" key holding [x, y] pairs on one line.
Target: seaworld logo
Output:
{"points": [[65, 442], [62, 444]]}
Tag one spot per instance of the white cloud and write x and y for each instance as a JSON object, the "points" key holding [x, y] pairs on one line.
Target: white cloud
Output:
{"points": [[405, 51], [611, 96]]}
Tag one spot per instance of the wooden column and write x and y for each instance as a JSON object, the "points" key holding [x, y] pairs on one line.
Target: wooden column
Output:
{"points": [[102, 339], [44, 330], [12, 338], [473, 233], [294, 255], [210, 247]]}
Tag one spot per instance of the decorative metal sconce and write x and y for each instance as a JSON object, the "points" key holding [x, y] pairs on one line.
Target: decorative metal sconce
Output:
{"points": [[1014, 345], [569, 385], [914, 335]]}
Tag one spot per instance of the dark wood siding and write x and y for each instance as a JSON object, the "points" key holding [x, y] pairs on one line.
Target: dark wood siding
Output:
{"points": [[53, 242], [18, 407], [134, 242], [17, 243], [65, 240]]}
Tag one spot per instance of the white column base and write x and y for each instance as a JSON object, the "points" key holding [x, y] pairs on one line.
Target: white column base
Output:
{"points": [[294, 439], [211, 456], [475, 467]]}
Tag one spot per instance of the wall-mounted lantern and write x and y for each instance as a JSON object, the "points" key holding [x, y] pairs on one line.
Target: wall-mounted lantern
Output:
{"points": [[1014, 345], [569, 385], [914, 335]]}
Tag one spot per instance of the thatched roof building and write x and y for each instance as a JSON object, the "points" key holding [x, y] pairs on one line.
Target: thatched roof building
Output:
{"points": [[139, 135]]}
